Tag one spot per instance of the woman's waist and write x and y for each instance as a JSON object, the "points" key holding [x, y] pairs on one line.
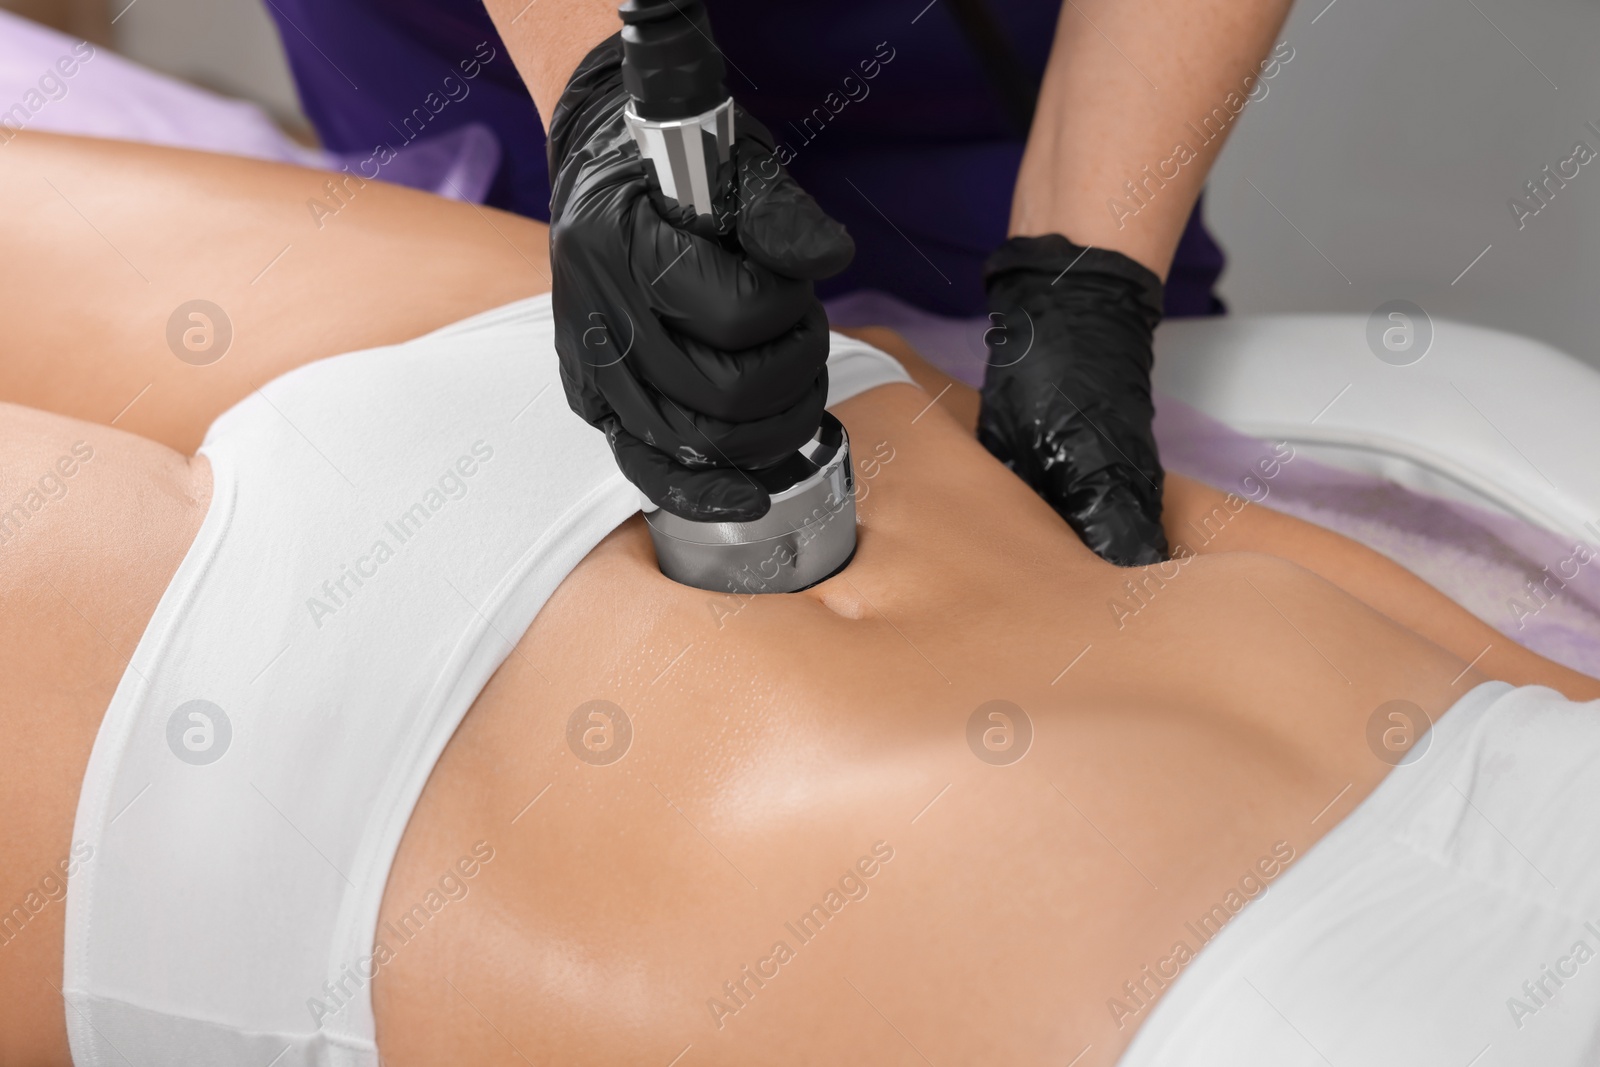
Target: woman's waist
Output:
{"points": [[806, 709], [930, 626], [734, 814]]}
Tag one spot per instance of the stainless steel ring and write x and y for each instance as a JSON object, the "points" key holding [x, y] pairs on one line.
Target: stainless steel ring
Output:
{"points": [[808, 535]]}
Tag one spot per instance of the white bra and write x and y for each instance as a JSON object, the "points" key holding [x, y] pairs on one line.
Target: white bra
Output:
{"points": [[384, 526]]}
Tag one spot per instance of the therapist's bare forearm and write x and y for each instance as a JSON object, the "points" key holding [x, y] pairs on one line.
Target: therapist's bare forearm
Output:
{"points": [[1128, 83], [549, 38]]}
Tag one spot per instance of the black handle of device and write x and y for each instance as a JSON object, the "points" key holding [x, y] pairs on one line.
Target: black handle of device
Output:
{"points": [[670, 66]]}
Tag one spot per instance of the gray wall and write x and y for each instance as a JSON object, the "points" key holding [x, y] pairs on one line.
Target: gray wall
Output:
{"points": [[1393, 141], [228, 45]]}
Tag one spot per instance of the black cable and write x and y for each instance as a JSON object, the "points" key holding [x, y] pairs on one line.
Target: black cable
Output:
{"points": [[1016, 87]]}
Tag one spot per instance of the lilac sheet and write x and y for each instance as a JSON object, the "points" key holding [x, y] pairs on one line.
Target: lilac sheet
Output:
{"points": [[1483, 560]]}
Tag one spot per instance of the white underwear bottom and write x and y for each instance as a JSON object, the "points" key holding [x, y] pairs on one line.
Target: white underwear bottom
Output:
{"points": [[1453, 918]]}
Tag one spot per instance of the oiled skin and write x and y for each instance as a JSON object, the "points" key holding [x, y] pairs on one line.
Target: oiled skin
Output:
{"points": [[779, 747], [773, 746]]}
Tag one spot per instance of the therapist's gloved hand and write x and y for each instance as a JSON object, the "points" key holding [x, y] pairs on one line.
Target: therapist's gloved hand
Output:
{"points": [[698, 346], [1066, 395]]}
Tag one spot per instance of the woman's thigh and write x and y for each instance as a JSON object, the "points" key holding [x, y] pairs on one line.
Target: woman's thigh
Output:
{"points": [[151, 288]]}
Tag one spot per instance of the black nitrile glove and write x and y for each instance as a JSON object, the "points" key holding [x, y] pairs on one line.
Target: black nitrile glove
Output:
{"points": [[696, 352], [1066, 394]]}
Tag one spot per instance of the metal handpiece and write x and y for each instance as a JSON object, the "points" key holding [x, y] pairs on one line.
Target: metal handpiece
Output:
{"points": [[687, 154], [681, 117]]}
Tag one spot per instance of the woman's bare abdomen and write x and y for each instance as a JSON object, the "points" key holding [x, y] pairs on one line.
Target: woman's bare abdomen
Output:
{"points": [[669, 791]]}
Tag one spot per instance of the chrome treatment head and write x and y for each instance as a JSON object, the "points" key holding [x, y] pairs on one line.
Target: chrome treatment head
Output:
{"points": [[808, 535]]}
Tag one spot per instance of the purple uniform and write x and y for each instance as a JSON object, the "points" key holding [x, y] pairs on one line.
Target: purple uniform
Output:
{"points": [[881, 109]]}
